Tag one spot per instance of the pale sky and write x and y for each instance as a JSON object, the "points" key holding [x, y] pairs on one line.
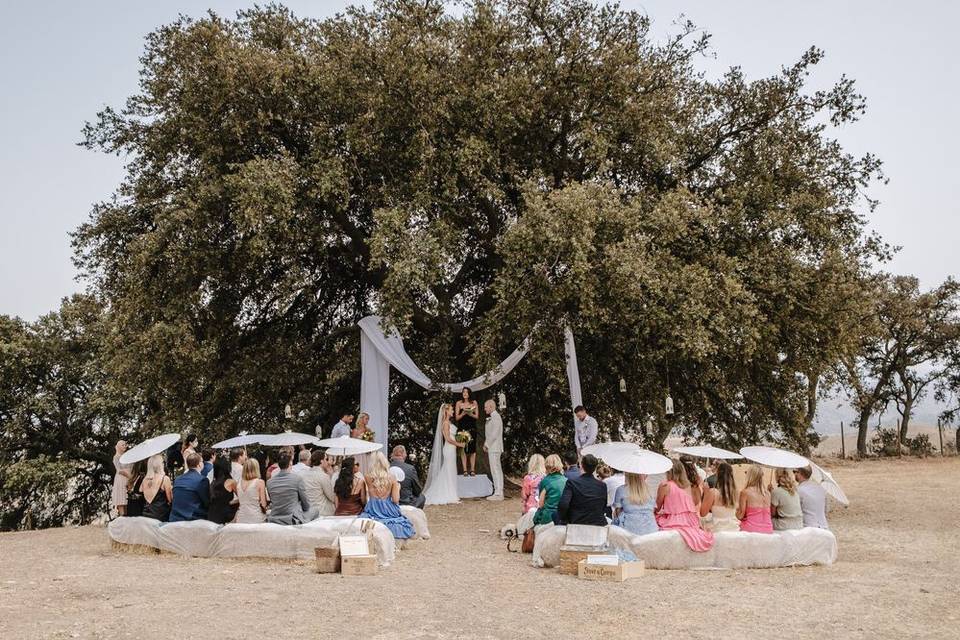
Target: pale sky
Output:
{"points": [[62, 61]]}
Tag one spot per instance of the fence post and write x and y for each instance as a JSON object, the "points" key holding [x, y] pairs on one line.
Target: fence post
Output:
{"points": [[843, 443]]}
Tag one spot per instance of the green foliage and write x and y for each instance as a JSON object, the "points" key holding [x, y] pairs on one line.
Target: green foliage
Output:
{"points": [[920, 445]]}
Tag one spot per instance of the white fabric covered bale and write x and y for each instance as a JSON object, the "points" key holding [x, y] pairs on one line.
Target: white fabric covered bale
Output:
{"points": [[731, 549], [417, 518], [197, 538], [139, 531], [270, 541], [525, 522]]}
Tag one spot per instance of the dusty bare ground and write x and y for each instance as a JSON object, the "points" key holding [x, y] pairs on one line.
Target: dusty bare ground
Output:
{"points": [[896, 578]]}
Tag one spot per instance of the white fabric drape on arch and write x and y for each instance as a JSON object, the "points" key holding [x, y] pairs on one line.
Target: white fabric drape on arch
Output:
{"points": [[380, 351]]}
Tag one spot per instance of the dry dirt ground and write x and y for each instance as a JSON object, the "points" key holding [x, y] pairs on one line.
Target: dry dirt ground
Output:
{"points": [[897, 577]]}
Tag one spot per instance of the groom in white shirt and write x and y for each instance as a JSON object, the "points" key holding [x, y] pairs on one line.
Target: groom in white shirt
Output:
{"points": [[493, 445]]}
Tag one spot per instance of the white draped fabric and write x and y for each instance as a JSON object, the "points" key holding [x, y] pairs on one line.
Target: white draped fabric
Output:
{"points": [[380, 351]]}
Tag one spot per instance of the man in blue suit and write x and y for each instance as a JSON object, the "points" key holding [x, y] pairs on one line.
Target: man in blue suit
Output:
{"points": [[584, 499], [191, 492]]}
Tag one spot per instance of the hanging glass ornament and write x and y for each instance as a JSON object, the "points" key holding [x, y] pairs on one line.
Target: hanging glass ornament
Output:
{"points": [[623, 385], [668, 405], [502, 400], [288, 412]]}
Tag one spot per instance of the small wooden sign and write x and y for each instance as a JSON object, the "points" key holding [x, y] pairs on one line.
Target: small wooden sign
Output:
{"points": [[609, 572], [354, 546], [358, 565]]}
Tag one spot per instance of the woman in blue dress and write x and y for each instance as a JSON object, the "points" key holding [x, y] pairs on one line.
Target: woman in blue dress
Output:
{"points": [[383, 499], [633, 506]]}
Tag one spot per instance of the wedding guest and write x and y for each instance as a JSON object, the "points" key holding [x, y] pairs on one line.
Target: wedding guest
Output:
{"points": [[573, 466], [174, 458], [273, 466], [467, 412], [550, 490], [288, 495], [134, 489], [584, 499], [813, 499], [614, 480], [350, 492], [584, 429], [342, 428], [209, 456], [753, 509], [633, 506], [119, 496], [303, 463], [493, 445], [157, 490], [383, 499], [223, 497], [785, 508], [252, 495], [191, 492], [529, 490], [719, 505], [694, 478], [319, 483], [237, 457], [188, 446], [411, 492], [675, 509], [712, 477]]}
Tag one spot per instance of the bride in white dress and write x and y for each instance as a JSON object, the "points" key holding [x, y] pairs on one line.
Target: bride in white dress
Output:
{"points": [[441, 486]]}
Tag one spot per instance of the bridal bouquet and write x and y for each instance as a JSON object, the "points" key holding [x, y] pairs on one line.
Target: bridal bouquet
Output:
{"points": [[463, 437], [367, 435]]}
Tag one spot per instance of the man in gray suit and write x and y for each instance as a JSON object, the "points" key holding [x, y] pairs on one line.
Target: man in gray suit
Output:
{"points": [[288, 495], [410, 491]]}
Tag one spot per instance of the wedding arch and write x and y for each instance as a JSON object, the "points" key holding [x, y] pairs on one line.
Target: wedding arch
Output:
{"points": [[379, 351]]}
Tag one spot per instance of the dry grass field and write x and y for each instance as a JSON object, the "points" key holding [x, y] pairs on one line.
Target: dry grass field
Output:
{"points": [[896, 578]]}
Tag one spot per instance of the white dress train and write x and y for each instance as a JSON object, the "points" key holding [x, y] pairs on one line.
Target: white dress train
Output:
{"points": [[442, 481]]}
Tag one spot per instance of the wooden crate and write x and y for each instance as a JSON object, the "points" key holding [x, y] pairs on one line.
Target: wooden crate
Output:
{"points": [[328, 559], [610, 573], [358, 565], [570, 558]]}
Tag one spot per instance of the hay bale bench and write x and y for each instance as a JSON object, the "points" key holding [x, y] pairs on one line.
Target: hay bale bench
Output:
{"points": [[731, 549]]}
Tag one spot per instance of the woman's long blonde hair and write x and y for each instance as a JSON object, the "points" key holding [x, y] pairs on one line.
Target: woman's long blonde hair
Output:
{"points": [[553, 464], [379, 475], [251, 469], [536, 466], [755, 479], [786, 481], [637, 491], [678, 474], [154, 467]]}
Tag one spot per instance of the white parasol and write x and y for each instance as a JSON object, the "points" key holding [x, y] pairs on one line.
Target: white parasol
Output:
{"points": [[708, 451], [773, 457], [347, 446], [829, 485], [603, 449], [242, 440], [398, 473], [638, 461], [287, 439], [150, 447]]}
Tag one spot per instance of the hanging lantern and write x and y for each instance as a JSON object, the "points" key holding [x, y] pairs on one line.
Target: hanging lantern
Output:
{"points": [[648, 426], [288, 412], [668, 405], [623, 385], [502, 400]]}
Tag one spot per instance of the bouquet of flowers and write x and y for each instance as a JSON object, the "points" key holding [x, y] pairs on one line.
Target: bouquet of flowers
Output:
{"points": [[463, 437], [367, 435]]}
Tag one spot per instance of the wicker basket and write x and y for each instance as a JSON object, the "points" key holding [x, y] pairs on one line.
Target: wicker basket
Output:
{"points": [[328, 559], [570, 558]]}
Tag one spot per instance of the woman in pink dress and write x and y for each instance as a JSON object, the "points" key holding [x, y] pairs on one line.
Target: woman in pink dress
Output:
{"points": [[753, 509], [530, 491], [676, 509]]}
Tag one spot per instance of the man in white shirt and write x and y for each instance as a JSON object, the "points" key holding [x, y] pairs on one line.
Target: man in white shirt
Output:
{"points": [[493, 445], [813, 499], [237, 457], [319, 483], [342, 428], [584, 429], [303, 466]]}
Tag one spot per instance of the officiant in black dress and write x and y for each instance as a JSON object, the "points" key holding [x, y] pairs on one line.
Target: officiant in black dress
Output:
{"points": [[467, 411]]}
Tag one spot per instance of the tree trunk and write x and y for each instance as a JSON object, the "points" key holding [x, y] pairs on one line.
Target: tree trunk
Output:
{"points": [[863, 424], [909, 396]]}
